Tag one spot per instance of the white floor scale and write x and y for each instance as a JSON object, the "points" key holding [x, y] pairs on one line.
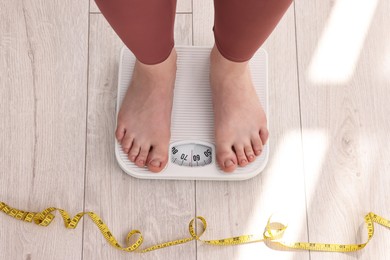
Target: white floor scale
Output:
{"points": [[192, 149]]}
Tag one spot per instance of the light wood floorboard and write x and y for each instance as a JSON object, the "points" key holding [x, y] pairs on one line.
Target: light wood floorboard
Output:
{"points": [[345, 120], [43, 87]]}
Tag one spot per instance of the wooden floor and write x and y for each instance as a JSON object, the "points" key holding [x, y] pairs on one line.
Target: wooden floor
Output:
{"points": [[329, 76]]}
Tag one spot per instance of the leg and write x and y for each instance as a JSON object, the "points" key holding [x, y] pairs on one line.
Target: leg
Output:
{"points": [[145, 27], [144, 119], [240, 28]]}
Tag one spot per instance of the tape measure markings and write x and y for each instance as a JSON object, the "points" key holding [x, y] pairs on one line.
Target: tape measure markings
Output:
{"points": [[271, 234]]}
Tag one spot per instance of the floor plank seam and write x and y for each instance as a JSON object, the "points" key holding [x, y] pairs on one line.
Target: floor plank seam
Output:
{"points": [[86, 129], [33, 72], [300, 123], [192, 40]]}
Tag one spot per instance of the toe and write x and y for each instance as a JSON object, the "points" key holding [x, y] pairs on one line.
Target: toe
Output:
{"points": [[158, 158], [264, 135], [143, 154], [249, 152], [120, 133], [257, 145], [226, 158], [240, 153], [134, 151], [126, 143]]}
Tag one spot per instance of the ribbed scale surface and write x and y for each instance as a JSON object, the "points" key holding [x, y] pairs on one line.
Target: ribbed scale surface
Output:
{"points": [[192, 114]]}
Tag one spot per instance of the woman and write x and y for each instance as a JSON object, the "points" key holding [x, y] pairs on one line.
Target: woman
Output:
{"points": [[146, 28]]}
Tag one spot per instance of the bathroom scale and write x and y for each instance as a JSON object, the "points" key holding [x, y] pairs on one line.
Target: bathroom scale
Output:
{"points": [[192, 150]]}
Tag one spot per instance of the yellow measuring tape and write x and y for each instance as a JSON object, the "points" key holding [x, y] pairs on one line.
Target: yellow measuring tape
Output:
{"points": [[272, 234]]}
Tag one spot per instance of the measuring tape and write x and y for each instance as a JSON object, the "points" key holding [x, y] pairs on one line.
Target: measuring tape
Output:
{"points": [[272, 234]]}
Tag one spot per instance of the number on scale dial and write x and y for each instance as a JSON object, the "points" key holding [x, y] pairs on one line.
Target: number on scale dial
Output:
{"points": [[191, 154]]}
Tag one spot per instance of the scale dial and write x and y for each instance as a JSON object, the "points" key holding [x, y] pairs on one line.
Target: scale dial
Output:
{"points": [[191, 154]]}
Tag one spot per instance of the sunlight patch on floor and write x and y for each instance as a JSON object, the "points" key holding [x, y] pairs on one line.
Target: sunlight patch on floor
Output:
{"points": [[283, 196], [316, 145], [342, 40]]}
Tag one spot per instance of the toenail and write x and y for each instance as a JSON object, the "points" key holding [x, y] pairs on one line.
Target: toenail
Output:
{"points": [[251, 157], [243, 161], [132, 158], [155, 163], [258, 152], [229, 163], [141, 162]]}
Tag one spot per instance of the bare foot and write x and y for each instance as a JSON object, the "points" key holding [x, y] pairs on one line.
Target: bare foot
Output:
{"points": [[240, 121], [144, 119]]}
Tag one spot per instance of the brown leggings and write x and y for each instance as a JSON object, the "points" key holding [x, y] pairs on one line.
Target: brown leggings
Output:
{"points": [[146, 26]]}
